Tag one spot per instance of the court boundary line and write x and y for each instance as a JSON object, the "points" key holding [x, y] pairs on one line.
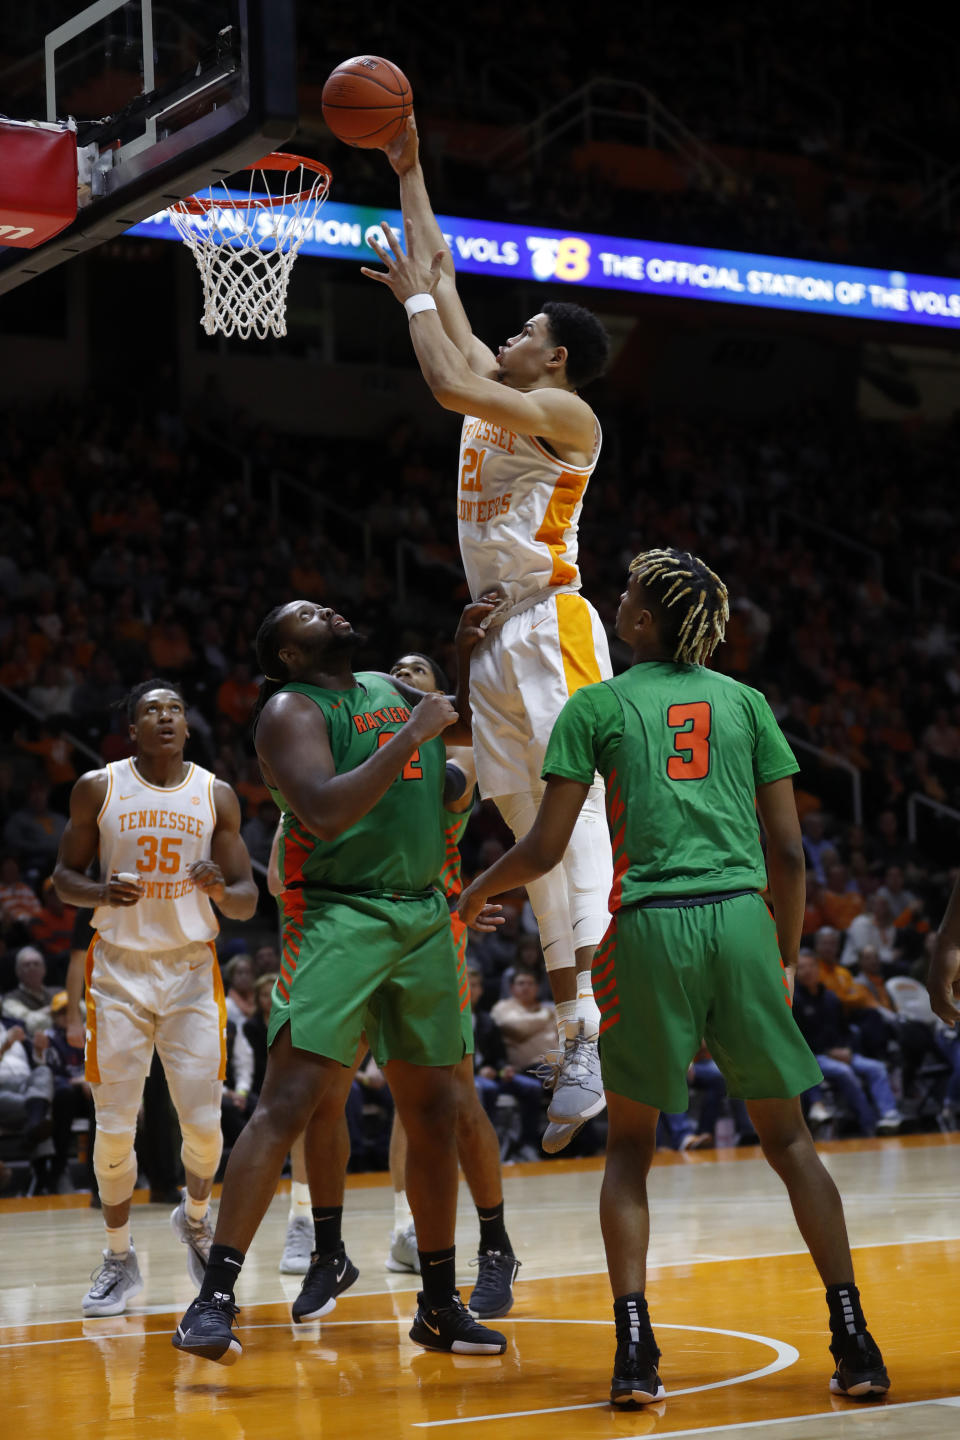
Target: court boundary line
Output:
{"points": [[875, 1410], [150, 1310]]}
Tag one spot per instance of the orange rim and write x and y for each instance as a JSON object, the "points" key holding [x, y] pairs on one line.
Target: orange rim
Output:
{"points": [[200, 204]]}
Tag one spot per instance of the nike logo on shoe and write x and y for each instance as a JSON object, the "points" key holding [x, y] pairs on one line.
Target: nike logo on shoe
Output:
{"points": [[434, 1328], [341, 1275]]}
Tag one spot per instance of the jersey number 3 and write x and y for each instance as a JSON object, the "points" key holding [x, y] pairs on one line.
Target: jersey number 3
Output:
{"points": [[692, 740]]}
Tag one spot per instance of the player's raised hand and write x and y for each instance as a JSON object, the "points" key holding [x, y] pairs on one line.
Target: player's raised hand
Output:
{"points": [[431, 716], [403, 150], [404, 274]]}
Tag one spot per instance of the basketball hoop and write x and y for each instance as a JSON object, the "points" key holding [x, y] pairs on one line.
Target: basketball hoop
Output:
{"points": [[245, 246]]}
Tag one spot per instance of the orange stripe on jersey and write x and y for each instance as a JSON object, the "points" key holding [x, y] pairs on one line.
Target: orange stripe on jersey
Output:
{"points": [[575, 629], [567, 494], [221, 1000], [91, 1066]]}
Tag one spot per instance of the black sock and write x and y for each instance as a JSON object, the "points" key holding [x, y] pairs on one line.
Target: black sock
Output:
{"points": [[846, 1315], [493, 1232], [438, 1275], [632, 1320], [327, 1220], [222, 1272]]}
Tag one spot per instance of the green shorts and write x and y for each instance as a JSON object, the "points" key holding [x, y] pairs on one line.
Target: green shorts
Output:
{"points": [[667, 979], [355, 964]]}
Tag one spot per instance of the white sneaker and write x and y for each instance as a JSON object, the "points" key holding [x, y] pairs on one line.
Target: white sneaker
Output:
{"points": [[117, 1282], [890, 1122], [298, 1246], [197, 1235], [819, 1113], [558, 1137], [578, 1092], [403, 1251]]}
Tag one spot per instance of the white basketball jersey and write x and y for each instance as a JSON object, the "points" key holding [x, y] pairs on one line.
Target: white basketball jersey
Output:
{"points": [[156, 832], [518, 509]]}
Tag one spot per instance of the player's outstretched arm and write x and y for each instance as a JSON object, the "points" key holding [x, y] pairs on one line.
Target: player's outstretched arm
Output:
{"points": [[227, 877], [943, 977], [786, 868], [555, 414], [539, 851], [79, 846], [294, 750], [403, 152]]}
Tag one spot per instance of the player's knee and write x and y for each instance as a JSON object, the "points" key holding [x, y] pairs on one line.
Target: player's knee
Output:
{"points": [[115, 1165], [202, 1147], [431, 1115]]}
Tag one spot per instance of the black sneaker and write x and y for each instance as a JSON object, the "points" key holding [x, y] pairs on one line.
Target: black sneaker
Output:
{"points": [[328, 1277], [207, 1330], [635, 1378], [493, 1293], [454, 1329], [860, 1371]]}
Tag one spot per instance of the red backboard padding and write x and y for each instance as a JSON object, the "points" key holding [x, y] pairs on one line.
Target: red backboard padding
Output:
{"points": [[38, 183]]}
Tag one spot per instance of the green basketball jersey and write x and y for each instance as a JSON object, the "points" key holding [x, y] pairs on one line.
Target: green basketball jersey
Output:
{"points": [[682, 751], [399, 846]]}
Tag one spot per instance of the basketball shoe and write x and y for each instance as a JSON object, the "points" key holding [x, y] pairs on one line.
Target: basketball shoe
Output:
{"points": [[328, 1277], [493, 1293], [297, 1247], [558, 1137], [207, 1330], [860, 1371], [636, 1380], [403, 1253], [578, 1089], [117, 1282], [197, 1235], [453, 1328]]}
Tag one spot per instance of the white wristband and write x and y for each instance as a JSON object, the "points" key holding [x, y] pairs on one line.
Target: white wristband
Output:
{"points": [[416, 303]]}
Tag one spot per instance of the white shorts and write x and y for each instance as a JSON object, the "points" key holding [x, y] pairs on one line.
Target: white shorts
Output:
{"points": [[171, 1000], [521, 676]]}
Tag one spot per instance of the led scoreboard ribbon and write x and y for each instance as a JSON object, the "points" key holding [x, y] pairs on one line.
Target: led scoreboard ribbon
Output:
{"points": [[608, 262]]}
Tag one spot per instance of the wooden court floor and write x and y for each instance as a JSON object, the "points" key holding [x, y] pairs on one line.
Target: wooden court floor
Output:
{"points": [[736, 1304]]}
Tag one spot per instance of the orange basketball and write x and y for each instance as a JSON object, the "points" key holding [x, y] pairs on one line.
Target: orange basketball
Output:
{"points": [[366, 100]]}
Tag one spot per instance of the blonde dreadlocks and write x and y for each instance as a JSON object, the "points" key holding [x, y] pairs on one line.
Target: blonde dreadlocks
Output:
{"points": [[670, 577]]}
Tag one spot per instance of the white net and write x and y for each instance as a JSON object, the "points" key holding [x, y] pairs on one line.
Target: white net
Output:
{"points": [[245, 244]]}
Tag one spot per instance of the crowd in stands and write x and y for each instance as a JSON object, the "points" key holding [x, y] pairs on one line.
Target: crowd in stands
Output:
{"points": [[102, 585]]}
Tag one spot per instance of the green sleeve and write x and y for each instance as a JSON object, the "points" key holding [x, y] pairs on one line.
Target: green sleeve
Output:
{"points": [[772, 757], [587, 727]]}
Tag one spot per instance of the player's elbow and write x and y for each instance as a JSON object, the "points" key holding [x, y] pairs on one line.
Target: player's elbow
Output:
{"points": [[447, 394], [787, 854]]}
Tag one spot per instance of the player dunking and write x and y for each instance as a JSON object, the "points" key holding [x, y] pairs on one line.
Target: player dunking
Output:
{"points": [[168, 837], [529, 445], [691, 950], [357, 768]]}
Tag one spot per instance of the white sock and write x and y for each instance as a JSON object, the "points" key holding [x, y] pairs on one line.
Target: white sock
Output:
{"points": [[300, 1207], [118, 1241], [566, 1019], [402, 1214], [587, 1010], [195, 1209]]}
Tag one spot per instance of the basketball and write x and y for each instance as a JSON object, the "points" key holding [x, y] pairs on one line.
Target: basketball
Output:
{"points": [[366, 100]]}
